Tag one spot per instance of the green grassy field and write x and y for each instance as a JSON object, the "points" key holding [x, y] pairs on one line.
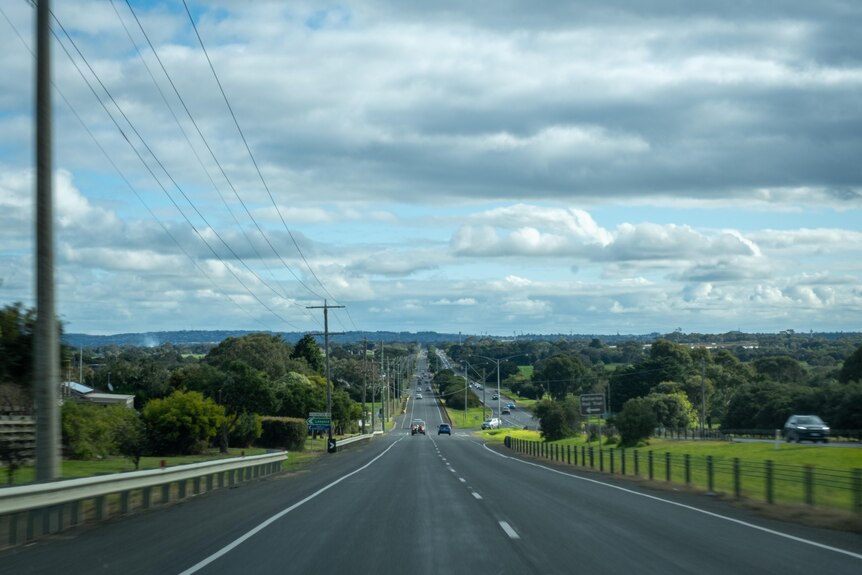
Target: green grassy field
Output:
{"points": [[526, 370], [830, 475], [474, 417]]}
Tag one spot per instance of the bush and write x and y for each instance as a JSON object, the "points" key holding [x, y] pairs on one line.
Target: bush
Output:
{"points": [[182, 423], [247, 430], [283, 433], [636, 421]]}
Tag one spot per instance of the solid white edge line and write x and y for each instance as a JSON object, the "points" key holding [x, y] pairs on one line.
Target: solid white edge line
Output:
{"points": [[684, 506], [476, 495], [236, 542], [509, 531]]}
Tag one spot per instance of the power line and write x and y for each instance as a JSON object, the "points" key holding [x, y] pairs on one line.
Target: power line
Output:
{"points": [[251, 155], [149, 169], [206, 144]]}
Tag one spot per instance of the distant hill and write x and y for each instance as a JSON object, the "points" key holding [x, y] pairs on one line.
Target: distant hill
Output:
{"points": [[197, 337], [190, 337]]}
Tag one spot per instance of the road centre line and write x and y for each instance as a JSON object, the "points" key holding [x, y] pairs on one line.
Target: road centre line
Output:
{"points": [[684, 506], [248, 535], [509, 531], [476, 495]]}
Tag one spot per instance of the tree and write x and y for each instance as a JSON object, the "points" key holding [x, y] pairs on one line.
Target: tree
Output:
{"points": [[298, 396], [307, 349], [182, 423], [130, 437], [852, 368], [245, 390], [563, 374], [781, 369], [673, 410], [559, 419], [262, 351], [636, 421]]}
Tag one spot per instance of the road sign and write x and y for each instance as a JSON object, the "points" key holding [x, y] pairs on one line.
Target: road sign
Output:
{"points": [[592, 404], [319, 418], [331, 448]]}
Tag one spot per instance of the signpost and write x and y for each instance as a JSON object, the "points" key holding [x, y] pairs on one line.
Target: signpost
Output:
{"points": [[321, 421], [592, 404]]}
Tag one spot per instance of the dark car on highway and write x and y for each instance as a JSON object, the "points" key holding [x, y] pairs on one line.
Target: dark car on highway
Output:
{"points": [[444, 428], [806, 428]]}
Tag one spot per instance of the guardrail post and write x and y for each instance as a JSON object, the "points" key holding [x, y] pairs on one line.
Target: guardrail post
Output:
{"points": [[166, 494], [637, 463], [857, 490], [737, 479], [591, 457], [196, 486], [576, 454], [809, 485], [650, 464], [74, 512], [623, 461], [100, 507], [584, 455], [181, 487], [612, 460], [667, 465], [710, 479], [569, 454], [687, 459], [601, 459], [124, 502], [209, 482], [768, 465], [146, 494]]}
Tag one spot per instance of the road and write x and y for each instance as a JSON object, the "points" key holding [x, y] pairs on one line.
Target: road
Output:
{"points": [[517, 417], [440, 504]]}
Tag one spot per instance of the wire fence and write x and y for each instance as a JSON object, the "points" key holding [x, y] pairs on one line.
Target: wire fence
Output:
{"points": [[767, 481], [848, 435]]}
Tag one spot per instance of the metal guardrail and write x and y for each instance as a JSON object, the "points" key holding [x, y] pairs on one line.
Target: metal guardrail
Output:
{"points": [[30, 511]]}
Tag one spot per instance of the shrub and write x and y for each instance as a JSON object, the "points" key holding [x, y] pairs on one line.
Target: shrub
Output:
{"points": [[247, 430], [636, 421], [182, 423], [283, 433]]}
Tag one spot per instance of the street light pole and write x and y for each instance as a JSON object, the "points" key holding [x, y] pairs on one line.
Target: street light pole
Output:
{"points": [[497, 361]]}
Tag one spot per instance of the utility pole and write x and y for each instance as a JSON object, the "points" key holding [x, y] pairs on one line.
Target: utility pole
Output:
{"points": [[326, 309], [364, 382], [46, 351], [702, 398]]}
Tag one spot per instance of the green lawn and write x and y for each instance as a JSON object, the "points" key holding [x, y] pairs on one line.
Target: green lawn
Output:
{"points": [[526, 370], [831, 467], [474, 417]]}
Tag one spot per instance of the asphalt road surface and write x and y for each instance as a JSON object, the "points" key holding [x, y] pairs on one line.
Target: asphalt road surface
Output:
{"points": [[439, 504]]}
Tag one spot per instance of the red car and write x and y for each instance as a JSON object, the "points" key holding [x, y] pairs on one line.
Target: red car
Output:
{"points": [[418, 426]]}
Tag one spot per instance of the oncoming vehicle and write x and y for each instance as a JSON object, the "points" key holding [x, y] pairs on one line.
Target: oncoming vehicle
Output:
{"points": [[806, 427], [417, 426], [444, 428], [492, 423]]}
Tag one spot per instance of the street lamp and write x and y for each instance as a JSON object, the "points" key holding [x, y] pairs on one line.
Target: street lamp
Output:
{"points": [[497, 361]]}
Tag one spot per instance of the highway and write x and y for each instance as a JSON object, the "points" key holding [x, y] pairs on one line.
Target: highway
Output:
{"points": [[440, 504]]}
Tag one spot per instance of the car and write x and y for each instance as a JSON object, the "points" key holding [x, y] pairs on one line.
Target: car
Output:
{"points": [[444, 428], [492, 423], [806, 427], [427, 388], [495, 396], [417, 426], [510, 405], [418, 396], [506, 411]]}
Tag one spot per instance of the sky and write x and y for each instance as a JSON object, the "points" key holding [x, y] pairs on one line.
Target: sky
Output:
{"points": [[485, 167]]}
